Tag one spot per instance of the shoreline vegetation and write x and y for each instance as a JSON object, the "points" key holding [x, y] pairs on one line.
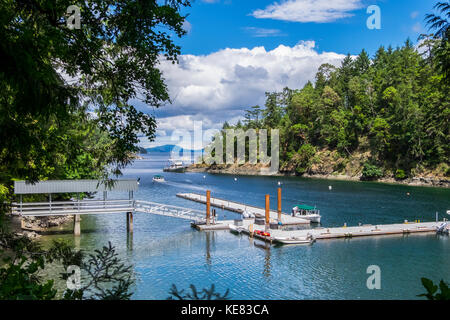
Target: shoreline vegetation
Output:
{"points": [[383, 118], [255, 170]]}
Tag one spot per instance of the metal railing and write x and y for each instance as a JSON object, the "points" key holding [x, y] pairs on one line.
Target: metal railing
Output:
{"points": [[170, 211], [75, 207], [57, 208]]}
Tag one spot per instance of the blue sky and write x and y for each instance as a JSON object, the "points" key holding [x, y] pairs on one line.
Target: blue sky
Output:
{"points": [[235, 51], [228, 23]]}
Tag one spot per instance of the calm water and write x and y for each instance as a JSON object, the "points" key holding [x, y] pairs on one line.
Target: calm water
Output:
{"points": [[165, 250]]}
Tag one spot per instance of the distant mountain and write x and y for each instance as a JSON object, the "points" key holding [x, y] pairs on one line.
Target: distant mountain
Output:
{"points": [[142, 150], [169, 148]]}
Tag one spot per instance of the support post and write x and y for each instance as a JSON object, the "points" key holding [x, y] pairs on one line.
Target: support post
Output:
{"points": [[267, 211], [130, 222], [76, 225], [208, 206], [279, 204]]}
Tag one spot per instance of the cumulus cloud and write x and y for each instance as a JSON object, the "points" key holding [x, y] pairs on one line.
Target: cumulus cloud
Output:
{"points": [[232, 79], [319, 11], [219, 86]]}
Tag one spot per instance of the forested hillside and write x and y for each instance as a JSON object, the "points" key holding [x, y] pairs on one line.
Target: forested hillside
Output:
{"points": [[380, 116]]}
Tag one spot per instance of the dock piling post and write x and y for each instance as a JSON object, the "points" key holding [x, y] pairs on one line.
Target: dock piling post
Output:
{"points": [[130, 222], [267, 211], [77, 225], [208, 205], [279, 204]]}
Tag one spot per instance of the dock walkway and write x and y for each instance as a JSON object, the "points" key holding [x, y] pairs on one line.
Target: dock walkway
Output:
{"points": [[286, 219]]}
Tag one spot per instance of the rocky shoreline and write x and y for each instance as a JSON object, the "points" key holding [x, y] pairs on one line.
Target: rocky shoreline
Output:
{"points": [[31, 227], [255, 170]]}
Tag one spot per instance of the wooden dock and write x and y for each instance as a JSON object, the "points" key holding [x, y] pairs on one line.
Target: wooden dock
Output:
{"points": [[287, 220], [329, 233]]}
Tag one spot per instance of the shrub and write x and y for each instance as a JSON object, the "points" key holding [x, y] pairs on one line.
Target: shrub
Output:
{"points": [[371, 172], [400, 174], [304, 158]]}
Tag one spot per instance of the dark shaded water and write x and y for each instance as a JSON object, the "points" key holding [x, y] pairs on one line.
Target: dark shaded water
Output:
{"points": [[164, 250]]}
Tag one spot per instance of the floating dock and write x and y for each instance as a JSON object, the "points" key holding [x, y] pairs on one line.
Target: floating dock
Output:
{"points": [[287, 220], [333, 233]]}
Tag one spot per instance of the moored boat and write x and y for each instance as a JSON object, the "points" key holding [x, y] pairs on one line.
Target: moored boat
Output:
{"points": [[307, 212], [236, 229], [295, 240], [175, 166]]}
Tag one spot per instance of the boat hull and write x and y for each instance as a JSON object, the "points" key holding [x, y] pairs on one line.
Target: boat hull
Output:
{"points": [[176, 170], [287, 241], [314, 218]]}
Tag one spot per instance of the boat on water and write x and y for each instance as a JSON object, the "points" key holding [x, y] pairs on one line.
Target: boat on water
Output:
{"points": [[236, 229], [158, 178], [306, 212], [175, 166], [444, 228], [295, 240]]}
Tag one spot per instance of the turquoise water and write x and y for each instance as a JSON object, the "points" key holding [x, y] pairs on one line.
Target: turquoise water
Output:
{"points": [[165, 250]]}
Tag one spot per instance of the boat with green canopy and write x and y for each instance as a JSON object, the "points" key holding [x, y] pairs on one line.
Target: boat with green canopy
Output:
{"points": [[306, 212]]}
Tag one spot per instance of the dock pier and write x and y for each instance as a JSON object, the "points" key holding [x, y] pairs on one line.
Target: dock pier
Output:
{"points": [[287, 220]]}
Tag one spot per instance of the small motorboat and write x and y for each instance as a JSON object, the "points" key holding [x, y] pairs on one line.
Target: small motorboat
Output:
{"points": [[444, 228], [295, 240], [175, 166], [158, 178], [236, 229], [306, 212]]}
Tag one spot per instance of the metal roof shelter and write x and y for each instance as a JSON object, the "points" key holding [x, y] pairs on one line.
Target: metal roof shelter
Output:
{"points": [[72, 186]]}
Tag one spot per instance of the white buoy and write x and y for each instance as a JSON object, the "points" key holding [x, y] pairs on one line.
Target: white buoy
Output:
{"points": [[330, 187], [279, 183], [204, 177], [235, 179]]}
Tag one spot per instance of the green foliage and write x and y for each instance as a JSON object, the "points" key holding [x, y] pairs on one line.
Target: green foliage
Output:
{"points": [[395, 102], [371, 172], [103, 275], [432, 290], [400, 174], [304, 156], [53, 77], [205, 294], [19, 274]]}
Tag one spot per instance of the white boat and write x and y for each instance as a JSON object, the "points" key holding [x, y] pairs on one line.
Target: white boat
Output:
{"points": [[175, 166], [307, 212], [158, 178], [444, 228], [236, 229], [295, 240]]}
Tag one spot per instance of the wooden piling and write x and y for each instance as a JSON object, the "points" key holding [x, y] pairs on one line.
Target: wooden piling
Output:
{"points": [[208, 206], [267, 211], [130, 222], [279, 204], [77, 225]]}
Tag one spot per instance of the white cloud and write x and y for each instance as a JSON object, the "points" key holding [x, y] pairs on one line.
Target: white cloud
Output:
{"points": [[226, 81], [309, 10], [218, 87], [263, 32]]}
